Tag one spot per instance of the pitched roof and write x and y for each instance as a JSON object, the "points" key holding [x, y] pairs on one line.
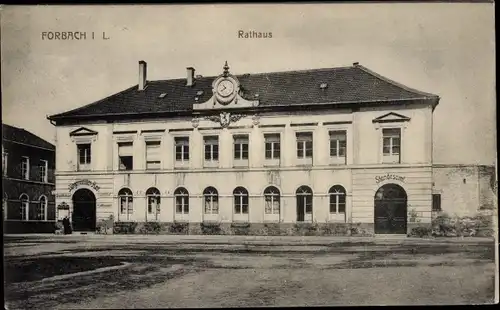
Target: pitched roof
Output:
{"points": [[23, 136], [345, 85]]}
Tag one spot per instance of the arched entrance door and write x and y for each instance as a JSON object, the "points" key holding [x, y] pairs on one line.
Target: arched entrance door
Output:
{"points": [[390, 210], [84, 211]]}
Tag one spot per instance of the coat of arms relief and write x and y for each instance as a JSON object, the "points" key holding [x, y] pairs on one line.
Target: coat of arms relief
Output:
{"points": [[225, 119]]}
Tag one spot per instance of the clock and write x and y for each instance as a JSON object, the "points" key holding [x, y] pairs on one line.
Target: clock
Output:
{"points": [[225, 88]]}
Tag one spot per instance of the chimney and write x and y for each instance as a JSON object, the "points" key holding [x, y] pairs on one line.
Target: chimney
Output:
{"points": [[355, 63], [190, 76], [143, 68]]}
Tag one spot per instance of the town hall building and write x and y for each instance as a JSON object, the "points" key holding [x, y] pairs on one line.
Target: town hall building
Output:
{"points": [[342, 146]]}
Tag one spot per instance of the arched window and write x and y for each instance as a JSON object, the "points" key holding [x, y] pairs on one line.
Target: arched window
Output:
{"points": [[126, 202], [25, 205], [272, 199], [153, 195], [337, 199], [211, 200], [181, 201], [240, 200], [304, 202], [41, 213]]}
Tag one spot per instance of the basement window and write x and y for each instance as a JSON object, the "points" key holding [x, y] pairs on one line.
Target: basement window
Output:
{"points": [[125, 156]]}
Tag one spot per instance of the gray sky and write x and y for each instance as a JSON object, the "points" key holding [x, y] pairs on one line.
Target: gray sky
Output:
{"points": [[445, 49]]}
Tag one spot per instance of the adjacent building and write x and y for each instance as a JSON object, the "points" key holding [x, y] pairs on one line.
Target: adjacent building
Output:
{"points": [[343, 146], [464, 190], [28, 164]]}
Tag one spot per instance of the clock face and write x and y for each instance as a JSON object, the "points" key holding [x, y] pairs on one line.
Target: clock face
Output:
{"points": [[225, 88]]}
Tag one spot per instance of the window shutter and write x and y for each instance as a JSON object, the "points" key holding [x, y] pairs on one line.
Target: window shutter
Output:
{"points": [[338, 135], [153, 151], [272, 138], [125, 149], [304, 136], [182, 141], [241, 139]]}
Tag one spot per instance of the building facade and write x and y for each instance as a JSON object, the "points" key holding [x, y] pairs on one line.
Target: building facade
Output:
{"points": [[340, 146], [28, 164]]}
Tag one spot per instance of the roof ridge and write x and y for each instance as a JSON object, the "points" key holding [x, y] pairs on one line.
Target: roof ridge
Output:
{"points": [[390, 81], [266, 73]]}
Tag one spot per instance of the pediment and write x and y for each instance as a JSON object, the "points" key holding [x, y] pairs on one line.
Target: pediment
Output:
{"points": [[82, 131], [391, 118]]}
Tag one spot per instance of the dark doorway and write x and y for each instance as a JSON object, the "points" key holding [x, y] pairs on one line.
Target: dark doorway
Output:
{"points": [[390, 210], [304, 203], [84, 211]]}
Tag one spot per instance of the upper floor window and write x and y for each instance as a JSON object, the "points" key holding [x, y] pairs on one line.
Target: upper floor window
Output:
{"points": [[84, 157], [338, 144], [240, 200], [182, 149], [126, 202], [5, 157], [153, 195], [240, 143], [391, 144], [153, 155], [211, 148], [25, 168], [304, 145], [125, 156], [337, 199], [181, 201], [211, 197], [272, 146], [44, 167]]}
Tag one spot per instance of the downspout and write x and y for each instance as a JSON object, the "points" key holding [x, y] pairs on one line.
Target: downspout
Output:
{"points": [[478, 188]]}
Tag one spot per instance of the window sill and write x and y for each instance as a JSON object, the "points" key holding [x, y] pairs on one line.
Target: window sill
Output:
{"points": [[304, 162], [391, 159], [181, 217], [271, 218], [214, 164], [271, 163], [337, 218], [181, 221], [181, 165], [338, 161], [240, 163]]}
